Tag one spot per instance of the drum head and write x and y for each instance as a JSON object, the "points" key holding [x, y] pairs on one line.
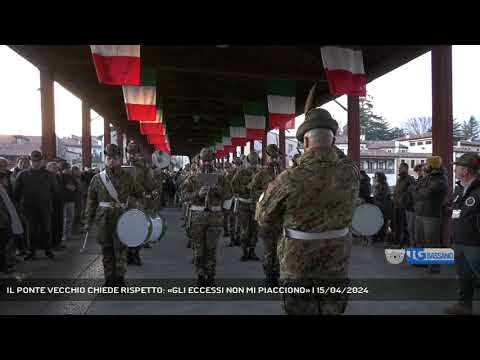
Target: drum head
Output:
{"points": [[134, 228], [367, 220]]}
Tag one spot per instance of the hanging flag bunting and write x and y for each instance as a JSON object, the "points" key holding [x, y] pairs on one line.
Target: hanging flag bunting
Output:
{"points": [[141, 100], [281, 104], [219, 153], [162, 147], [155, 139], [159, 113], [255, 115], [151, 128], [227, 142], [238, 131], [117, 64], [344, 71]]}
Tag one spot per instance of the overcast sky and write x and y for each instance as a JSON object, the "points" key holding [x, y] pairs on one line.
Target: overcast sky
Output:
{"points": [[397, 96]]}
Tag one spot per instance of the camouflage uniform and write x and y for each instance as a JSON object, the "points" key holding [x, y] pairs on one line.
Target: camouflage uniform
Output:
{"points": [[145, 184], [114, 253], [271, 235], [232, 230], [318, 195], [245, 207], [206, 226]]}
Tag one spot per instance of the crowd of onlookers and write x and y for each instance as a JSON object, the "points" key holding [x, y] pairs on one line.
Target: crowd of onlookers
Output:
{"points": [[414, 211], [41, 207]]}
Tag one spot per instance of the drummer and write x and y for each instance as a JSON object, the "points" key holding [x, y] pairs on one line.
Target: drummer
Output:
{"points": [[314, 203], [146, 184], [109, 193]]}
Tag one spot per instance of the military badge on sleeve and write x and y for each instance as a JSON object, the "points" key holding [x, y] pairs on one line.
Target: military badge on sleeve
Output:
{"points": [[470, 201]]}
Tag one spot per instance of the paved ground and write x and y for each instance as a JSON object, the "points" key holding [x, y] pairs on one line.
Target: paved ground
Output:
{"points": [[171, 259]]}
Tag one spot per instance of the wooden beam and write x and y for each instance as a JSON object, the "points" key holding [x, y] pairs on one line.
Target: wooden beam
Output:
{"points": [[354, 129], [442, 121], [86, 136], [47, 100], [107, 138], [282, 147]]}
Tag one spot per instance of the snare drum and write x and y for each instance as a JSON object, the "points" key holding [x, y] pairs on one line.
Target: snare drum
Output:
{"points": [[136, 227], [367, 220]]}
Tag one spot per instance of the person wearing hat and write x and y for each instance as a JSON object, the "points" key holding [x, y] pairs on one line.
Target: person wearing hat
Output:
{"points": [[466, 232], [70, 190], [260, 182], [35, 190], [244, 208], [208, 191], [145, 183], [428, 198], [232, 231], [313, 203], [105, 210]]}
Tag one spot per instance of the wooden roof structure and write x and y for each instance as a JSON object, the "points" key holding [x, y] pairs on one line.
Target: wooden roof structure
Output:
{"points": [[211, 83]]}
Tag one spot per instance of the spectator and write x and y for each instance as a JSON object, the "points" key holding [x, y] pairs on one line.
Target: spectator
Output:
{"points": [[429, 197], [382, 198], [410, 205], [35, 190], [10, 224], [21, 241], [85, 179], [80, 198], [6, 172], [70, 190], [57, 214], [365, 187], [401, 205]]}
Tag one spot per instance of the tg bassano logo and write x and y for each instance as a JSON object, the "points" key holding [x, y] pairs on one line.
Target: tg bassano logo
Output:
{"points": [[430, 256]]}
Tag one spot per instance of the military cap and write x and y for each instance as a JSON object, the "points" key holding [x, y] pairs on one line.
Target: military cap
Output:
{"points": [[469, 160], [317, 119], [132, 148], [253, 158], [273, 150], [206, 154], [36, 155], [112, 150]]}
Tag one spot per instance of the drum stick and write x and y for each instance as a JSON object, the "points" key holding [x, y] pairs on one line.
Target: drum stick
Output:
{"points": [[84, 243]]}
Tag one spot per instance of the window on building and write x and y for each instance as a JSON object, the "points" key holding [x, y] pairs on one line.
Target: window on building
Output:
{"points": [[402, 161], [412, 144], [422, 161], [420, 143], [429, 142], [381, 165], [412, 163]]}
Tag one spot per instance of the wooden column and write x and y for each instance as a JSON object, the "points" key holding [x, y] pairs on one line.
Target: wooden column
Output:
{"points": [[107, 137], [354, 129], [281, 145], [86, 136], [47, 103], [442, 119]]}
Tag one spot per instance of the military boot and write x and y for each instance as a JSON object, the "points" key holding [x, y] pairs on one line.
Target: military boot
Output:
{"points": [[201, 280], [109, 282], [252, 255], [245, 255], [210, 280]]}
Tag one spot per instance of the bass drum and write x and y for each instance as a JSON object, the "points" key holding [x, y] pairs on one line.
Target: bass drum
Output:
{"points": [[159, 226], [135, 227], [367, 220]]}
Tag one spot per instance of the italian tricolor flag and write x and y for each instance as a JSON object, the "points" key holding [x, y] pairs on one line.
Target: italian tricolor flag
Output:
{"points": [[219, 153], [344, 71], [159, 114], [255, 116], [141, 100], [238, 132], [227, 142], [281, 104], [155, 139], [117, 64], [151, 129]]}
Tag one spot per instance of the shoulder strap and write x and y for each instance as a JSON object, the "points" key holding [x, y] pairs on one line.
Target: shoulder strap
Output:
{"points": [[109, 186]]}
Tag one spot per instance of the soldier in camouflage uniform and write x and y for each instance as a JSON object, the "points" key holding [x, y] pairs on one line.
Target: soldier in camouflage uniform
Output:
{"points": [[145, 183], [245, 207], [207, 190], [271, 235], [227, 168], [233, 230], [314, 202], [295, 160], [105, 211]]}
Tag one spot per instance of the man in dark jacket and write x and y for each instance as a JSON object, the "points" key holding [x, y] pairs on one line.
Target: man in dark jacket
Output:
{"points": [[21, 241], [365, 187], [429, 198], [70, 190], [466, 231], [35, 191], [401, 205], [57, 214]]}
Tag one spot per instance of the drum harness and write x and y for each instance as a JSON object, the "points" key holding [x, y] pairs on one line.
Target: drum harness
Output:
{"points": [[112, 192]]}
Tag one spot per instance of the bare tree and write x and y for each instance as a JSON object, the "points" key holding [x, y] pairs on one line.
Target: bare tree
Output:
{"points": [[418, 125]]}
